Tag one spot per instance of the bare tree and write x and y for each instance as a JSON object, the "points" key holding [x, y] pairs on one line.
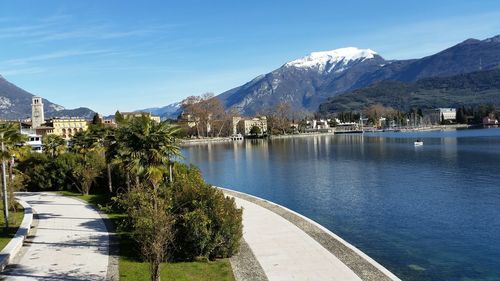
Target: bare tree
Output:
{"points": [[376, 111], [207, 112], [278, 118]]}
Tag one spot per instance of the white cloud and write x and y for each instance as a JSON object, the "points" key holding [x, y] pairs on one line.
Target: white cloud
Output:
{"points": [[21, 71], [54, 55]]}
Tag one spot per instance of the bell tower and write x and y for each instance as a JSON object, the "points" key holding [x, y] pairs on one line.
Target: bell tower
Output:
{"points": [[37, 116]]}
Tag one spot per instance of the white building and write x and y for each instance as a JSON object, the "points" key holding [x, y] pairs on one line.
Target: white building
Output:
{"points": [[320, 125], [439, 115], [34, 140]]}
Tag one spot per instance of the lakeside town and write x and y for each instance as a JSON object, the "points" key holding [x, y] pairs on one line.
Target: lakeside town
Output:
{"points": [[116, 160], [206, 120], [249, 140]]}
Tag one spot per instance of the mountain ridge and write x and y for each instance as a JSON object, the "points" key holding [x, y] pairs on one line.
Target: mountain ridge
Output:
{"points": [[306, 88], [15, 103], [469, 89]]}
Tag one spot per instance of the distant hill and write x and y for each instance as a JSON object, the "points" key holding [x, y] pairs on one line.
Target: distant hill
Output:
{"points": [[170, 111], [469, 56], [307, 82], [476, 88], [15, 103]]}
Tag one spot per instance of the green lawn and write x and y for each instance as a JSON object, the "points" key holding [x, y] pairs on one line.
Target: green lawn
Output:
{"points": [[15, 219], [131, 269], [188, 271]]}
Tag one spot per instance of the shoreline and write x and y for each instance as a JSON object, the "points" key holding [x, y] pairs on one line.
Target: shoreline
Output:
{"points": [[361, 264], [433, 128], [186, 142]]}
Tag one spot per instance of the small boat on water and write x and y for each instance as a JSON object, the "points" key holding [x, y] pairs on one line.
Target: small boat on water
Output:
{"points": [[237, 137], [418, 143]]}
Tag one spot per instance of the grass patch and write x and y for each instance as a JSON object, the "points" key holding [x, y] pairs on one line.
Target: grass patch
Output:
{"points": [[219, 270], [132, 269], [15, 219]]}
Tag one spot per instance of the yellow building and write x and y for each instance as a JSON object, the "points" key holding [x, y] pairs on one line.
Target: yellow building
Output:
{"points": [[246, 126], [67, 127]]}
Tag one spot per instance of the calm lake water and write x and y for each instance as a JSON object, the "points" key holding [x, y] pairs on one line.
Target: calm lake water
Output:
{"points": [[425, 213]]}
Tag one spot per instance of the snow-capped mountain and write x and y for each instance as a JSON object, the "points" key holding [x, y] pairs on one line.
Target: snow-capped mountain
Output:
{"points": [[306, 82], [170, 111], [15, 103], [335, 60]]}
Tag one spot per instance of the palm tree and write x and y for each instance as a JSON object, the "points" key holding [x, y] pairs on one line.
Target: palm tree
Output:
{"points": [[104, 137], [148, 147], [10, 136], [82, 142], [53, 144]]}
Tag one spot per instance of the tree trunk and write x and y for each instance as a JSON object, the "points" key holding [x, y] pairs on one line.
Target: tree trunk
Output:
{"points": [[220, 131], [11, 169], [170, 173], [110, 181], [155, 271], [128, 180]]}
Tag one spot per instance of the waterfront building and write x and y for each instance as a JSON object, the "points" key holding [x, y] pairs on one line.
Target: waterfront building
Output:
{"points": [[37, 114], [260, 122], [440, 115], [343, 127], [186, 119], [381, 123], [244, 125], [490, 120], [321, 125]]}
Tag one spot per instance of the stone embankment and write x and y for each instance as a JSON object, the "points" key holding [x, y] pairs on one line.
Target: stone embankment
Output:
{"points": [[185, 142]]}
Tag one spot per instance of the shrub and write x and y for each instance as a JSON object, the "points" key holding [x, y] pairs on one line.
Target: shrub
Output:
{"points": [[38, 172], [151, 224], [207, 223], [45, 173]]}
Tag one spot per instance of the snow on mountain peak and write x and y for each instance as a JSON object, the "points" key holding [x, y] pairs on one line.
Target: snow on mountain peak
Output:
{"points": [[321, 59]]}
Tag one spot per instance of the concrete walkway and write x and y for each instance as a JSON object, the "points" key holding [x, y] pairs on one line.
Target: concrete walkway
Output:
{"points": [[71, 242], [280, 244], [284, 251]]}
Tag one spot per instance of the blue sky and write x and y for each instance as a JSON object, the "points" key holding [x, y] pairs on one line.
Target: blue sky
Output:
{"points": [[128, 55]]}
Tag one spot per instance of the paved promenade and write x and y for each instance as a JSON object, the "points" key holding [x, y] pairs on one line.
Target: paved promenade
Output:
{"points": [[70, 243], [281, 243]]}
